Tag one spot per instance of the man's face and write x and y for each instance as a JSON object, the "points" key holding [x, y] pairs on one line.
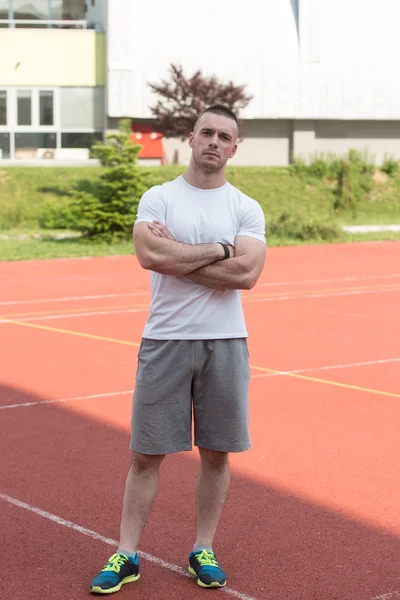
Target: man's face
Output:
{"points": [[213, 141]]}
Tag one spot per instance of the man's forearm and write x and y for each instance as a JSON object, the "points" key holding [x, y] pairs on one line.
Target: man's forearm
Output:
{"points": [[230, 274], [175, 258]]}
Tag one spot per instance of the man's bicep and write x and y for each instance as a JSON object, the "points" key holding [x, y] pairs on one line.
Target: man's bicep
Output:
{"points": [[253, 252], [144, 242], [152, 206]]}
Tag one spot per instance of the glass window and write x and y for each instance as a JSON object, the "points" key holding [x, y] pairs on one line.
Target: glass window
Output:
{"points": [[28, 144], [4, 6], [67, 10], [4, 145], [46, 108], [82, 108], [3, 107], [73, 9], [31, 10], [79, 140], [24, 107], [42, 10]]}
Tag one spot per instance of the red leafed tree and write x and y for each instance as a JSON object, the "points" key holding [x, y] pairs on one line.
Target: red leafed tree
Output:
{"points": [[182, 98]]}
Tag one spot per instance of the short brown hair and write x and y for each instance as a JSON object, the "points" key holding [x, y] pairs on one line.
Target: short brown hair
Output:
{"points": [[219, 109]]}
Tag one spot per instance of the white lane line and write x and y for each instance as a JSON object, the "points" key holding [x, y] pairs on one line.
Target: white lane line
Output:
{"points": [[307, 281], [72, 298], [147, 293], [71, 315], [388, 596], [258, 375], [110, 542], [305, 296], [75, 399], [329, 367], [246, 300]]}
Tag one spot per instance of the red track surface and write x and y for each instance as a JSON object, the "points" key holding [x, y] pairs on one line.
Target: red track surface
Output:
{"points": [[313, 512]]}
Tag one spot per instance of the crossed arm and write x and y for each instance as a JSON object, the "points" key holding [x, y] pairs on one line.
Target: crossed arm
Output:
{"points": [[158, 251]]}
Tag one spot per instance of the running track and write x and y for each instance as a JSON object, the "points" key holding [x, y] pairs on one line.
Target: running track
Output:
{"points": [[314, 508]]}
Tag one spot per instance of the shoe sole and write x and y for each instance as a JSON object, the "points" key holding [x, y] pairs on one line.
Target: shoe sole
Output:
{"points": [[215, 584], [98, 590]]}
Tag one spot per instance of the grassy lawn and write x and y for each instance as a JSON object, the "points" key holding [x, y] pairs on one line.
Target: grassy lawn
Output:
{"points": [[32, 198], [48, 247]]}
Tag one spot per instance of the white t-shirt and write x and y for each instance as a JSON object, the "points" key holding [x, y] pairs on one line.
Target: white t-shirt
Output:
{"points": [[181, 309]]}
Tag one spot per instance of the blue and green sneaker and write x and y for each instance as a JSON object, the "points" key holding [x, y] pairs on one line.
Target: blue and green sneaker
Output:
{"points": [[205, 567], [119, 570]]}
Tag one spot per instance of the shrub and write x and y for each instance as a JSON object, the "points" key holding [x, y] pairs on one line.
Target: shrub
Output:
{"points": [[320, 166], [106, 208], [299, 225], [390, 166], [355, 181]]}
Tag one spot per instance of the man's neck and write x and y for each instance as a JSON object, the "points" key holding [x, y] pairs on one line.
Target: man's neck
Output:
{"points": [[204, 179]]}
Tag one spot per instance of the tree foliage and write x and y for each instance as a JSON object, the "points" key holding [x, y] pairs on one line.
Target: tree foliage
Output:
{"points": [[107, 208], [182, 98]]}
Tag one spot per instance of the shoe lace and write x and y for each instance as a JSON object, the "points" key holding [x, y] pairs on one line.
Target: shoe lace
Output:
{"points": [[115, 563], [207, 558]]}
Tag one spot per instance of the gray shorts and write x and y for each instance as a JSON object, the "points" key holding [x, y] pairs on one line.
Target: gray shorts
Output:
{"points": [[178, 378]]}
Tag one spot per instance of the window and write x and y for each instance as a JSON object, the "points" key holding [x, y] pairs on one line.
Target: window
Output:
{"points": [[4, 7], [28, 144], [30, 9], [4, 145], [3, 107], [79, 140], [82, 108], [46, 109], [24, 107], [295, 10], [42, 10]]}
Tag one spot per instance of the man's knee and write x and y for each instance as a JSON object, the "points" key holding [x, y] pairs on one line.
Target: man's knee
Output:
{"points": [[146, 462], [213, 460]]}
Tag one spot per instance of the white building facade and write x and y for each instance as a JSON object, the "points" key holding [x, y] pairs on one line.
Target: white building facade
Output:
{"points": [[323, 74]]}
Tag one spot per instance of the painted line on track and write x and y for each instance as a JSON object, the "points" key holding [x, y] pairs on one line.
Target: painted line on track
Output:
{"points": [[255, 367], [388, 596], [72, 311], [247, 299], [110, 542], [58, 400], [379, 361], [129, 392], [79, 314], [76, 333], [73, 298], [328, 382], [147, 293]]}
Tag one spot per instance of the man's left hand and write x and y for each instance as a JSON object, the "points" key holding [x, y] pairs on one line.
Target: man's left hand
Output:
{"points": [[160, 230]]}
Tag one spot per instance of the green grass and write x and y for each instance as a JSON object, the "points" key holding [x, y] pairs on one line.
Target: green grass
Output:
{"points": [[32, 198], [25, 190], [48, 247]]}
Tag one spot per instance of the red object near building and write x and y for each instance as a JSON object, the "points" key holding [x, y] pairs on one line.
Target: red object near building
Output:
{"points": [[151, 141]]}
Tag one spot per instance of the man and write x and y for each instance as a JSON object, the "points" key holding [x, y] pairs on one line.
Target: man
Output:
{"points": [[203, 241]]}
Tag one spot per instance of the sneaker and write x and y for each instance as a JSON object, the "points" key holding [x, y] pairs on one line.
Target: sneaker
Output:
{"points": [[119, 570], [205, 567]]}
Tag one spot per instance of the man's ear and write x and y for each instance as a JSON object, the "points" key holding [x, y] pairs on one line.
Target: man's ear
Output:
{"points": [[191, 139], [232, 154]]}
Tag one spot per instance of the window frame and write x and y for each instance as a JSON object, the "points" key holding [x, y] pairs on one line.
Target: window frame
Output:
{"points": [[4, 128], [12, 109]]}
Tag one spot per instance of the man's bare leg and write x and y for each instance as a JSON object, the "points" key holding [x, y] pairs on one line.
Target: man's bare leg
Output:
{"points": [[140, 492]]}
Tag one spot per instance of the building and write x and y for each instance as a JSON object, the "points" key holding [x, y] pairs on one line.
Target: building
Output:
{"points": [[323, 74], [52, 77]]}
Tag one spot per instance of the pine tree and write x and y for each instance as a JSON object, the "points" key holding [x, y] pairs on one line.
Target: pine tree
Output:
{"points": [[107, 212]]}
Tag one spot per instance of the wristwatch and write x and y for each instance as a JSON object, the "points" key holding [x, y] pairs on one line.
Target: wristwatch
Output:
{"points": [[226, 248]]}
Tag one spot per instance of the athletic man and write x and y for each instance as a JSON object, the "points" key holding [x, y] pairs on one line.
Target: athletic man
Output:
{"points": [[203, 241]]}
